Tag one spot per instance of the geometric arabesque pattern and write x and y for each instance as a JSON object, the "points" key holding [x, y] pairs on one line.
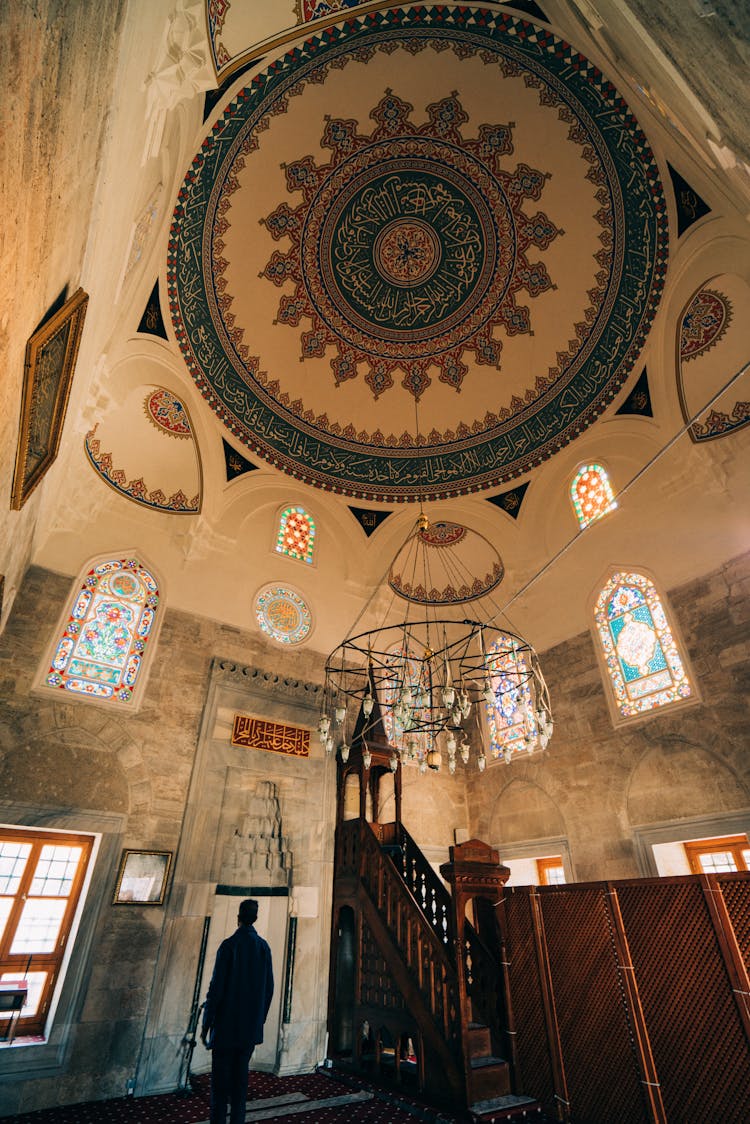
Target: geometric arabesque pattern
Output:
{"points": [[400, 314]]}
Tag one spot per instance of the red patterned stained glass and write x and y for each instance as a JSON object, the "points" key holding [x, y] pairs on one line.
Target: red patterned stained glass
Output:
{"points": [[591, 493], [296, 537]]}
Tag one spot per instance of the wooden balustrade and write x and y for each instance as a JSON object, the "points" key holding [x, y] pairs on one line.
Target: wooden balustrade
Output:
{"points": [[417, 936], [426, 887]]}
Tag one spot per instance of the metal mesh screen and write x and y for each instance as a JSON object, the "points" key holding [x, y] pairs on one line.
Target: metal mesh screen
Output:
{"points": [[697, 1039], [526, 997], [601, 1067]]}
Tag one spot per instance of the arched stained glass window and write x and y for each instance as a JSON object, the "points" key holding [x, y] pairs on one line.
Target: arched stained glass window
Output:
{"points": [[644, 665], [591, 493], [101, 651], [511, 719], [296, 536]]}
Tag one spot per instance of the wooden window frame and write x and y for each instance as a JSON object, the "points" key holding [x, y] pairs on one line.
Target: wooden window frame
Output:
{"points": [[546, 864], [735, 844], [49, 962]]}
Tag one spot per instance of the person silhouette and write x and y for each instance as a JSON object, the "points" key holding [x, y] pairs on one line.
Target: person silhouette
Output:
{"points": [[236, 1008]]}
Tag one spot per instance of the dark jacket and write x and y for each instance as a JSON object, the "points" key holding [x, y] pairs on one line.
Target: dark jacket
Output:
{"points": [[240, 991]]}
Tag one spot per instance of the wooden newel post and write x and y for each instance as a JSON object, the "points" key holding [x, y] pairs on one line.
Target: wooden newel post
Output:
{"points": [[476, 879]]}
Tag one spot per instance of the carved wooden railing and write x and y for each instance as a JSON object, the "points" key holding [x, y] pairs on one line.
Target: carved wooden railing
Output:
{"points": [[483, 984], [416, 934], [347, 848], [426, 887]]}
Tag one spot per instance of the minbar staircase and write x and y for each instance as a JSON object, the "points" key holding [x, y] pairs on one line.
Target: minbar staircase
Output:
{"points": [[418, 988]]}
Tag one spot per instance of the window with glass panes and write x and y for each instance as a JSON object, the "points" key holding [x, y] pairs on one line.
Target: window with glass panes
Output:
{"points": [[718, 856], [41, 876], [551, 871]]}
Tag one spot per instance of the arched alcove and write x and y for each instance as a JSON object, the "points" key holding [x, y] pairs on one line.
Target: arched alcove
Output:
{"points": [[676, 780], [345, 968], [524, 811]]}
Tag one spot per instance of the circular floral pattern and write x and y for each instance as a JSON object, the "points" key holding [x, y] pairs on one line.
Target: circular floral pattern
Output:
{"points": [[283, 615], [443, 534], [407, 252], [351, 263], [402, 311]]}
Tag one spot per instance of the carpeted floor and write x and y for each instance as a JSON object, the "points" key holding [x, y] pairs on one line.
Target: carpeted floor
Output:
{"points": [[332, 1100]]}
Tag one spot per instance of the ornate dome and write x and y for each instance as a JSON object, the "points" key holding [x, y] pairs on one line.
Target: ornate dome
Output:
{"points": [[467, 232], [445, 564]]}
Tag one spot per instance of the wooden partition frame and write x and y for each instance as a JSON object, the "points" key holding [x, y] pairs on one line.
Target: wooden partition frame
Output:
{"points": [[631, 998]]}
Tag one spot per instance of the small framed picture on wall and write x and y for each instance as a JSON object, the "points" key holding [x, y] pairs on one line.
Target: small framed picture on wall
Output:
{"points": [[142, 877]]}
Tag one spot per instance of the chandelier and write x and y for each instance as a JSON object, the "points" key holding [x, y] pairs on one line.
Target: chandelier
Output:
{"points": [[426, 676]]}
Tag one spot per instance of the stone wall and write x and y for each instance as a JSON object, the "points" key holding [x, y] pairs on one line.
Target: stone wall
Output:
{"points": [[165, 779], [57, 757], [599, 786]]}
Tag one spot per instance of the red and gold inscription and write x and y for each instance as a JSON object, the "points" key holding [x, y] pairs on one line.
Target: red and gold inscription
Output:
{"points": [[260, 733]]}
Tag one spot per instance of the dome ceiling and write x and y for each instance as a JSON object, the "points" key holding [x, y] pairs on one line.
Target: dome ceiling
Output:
{"points": [[417, 253]]}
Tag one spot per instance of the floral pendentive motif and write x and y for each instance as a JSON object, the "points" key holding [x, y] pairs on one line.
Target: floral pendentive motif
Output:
{"points": [[101, 650], [167, 413], [296, 537], [591, 493], [410, 247], [643, 662], [704, 324]]}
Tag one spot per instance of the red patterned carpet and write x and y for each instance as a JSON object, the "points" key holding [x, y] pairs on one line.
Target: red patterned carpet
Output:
{"points": [[378, 1108]]}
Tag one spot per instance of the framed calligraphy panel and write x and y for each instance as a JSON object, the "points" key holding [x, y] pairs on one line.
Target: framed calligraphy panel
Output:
{"points": [[51, 354], [142, 877], [275, 737]]}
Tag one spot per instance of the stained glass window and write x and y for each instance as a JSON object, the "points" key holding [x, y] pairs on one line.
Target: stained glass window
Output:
{"points": [[283, 615], [591, 493], [511, 719], [296, 537], [100, 653], [642, 659]]}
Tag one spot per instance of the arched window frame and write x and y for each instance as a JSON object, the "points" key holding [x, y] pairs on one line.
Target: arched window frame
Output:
{"points": [[601, 472], [285, 514], [627, 706], [53, 674]]}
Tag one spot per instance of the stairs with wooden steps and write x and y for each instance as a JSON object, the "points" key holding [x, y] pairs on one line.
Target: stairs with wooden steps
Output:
{"points": [[418, 996], [489, 1075]]}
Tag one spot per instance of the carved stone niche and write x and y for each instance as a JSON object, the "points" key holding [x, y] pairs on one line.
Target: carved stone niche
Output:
{"points": [[258, 852]]}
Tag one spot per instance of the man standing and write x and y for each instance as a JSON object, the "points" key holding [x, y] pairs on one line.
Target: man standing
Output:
{"points": [[239, 996]]}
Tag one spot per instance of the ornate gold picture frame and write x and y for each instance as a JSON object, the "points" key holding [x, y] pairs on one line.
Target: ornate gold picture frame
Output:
{"points": [[142, 877], [51, 354]]}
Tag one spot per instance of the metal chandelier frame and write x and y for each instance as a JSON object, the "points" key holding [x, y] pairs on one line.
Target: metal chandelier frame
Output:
{"points": [[431, 673]]}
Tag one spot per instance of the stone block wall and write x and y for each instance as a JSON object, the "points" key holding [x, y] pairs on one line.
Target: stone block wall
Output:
{"points": [[73, 764], [58, 758], [599, 785]]}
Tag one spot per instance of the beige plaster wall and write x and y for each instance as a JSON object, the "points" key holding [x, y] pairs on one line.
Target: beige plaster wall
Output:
{"points": [[59, 63], [597, 784]]}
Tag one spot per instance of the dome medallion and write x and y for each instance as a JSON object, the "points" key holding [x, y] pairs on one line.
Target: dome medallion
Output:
{"points": [[424, 204]]}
